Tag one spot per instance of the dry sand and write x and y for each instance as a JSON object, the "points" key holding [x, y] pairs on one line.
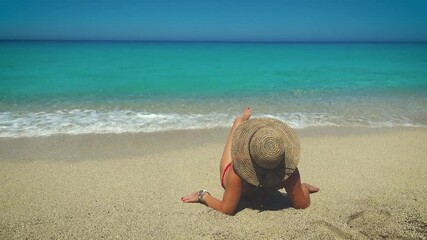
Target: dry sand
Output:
{"points": [[373, 185]]}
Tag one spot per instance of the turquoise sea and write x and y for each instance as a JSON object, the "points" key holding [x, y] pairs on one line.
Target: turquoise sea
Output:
{"points": [[66, 87]]}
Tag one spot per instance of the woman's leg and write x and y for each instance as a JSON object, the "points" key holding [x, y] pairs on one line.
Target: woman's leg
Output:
{"points": [[226, 155]]}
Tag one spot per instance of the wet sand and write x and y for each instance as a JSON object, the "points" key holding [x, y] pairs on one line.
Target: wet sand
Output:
{"points": [[94, 186]]}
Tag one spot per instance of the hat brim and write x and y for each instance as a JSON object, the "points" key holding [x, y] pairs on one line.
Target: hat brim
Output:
{"points": [[250, 171]]}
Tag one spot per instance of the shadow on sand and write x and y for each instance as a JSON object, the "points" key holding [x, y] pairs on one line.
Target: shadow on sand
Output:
{"points": [[277, 201]]}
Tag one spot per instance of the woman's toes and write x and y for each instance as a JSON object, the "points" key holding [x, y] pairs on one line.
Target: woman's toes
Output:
{"points": [[246, 113]]}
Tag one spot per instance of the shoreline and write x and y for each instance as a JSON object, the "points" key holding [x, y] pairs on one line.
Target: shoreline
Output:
{"points": [[130, 185], [97, 146]]}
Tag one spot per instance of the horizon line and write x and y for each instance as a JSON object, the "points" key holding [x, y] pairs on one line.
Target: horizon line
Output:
{"points": [[216, 41]]}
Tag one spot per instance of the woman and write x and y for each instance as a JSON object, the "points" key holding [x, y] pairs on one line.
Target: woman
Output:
{"points": [[260, 157]]}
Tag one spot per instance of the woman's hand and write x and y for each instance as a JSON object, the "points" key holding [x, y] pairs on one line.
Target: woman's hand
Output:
{"points": [[191, 198], [311, 188]]}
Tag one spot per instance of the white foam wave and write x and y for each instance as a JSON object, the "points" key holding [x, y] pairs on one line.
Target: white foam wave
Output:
{"points": [[76, 121], [91, 121]]}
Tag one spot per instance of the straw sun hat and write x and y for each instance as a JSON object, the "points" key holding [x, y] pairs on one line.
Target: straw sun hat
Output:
{"points": [[265, 151]]}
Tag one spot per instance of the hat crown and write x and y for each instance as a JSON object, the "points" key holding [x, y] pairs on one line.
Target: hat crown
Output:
{"points": [[265, 151], [267, 147]]}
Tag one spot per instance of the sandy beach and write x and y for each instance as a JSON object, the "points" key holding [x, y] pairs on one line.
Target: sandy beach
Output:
{"points": [[128, 186]]}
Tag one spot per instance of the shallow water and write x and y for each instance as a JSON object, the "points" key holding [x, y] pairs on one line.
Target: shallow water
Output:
{"points": [[111, 87]]}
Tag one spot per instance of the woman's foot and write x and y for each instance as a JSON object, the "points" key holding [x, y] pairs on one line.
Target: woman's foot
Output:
{"points": [[247, 112]]}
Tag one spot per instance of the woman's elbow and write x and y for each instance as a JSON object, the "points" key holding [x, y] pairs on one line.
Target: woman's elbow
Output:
{"points": [[227, 211], [302, 205], [230, 213]]}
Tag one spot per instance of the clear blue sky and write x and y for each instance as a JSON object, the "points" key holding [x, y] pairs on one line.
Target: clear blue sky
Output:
{"points": [[213, 20]]}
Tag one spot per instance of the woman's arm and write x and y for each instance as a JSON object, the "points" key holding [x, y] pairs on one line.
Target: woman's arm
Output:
{"points": [[299, 192], [231, 196], [230, 199]]}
